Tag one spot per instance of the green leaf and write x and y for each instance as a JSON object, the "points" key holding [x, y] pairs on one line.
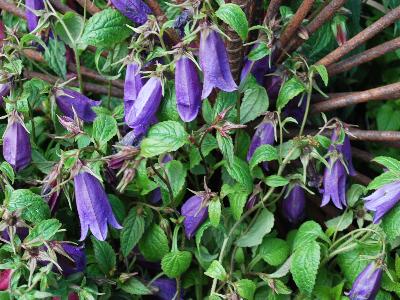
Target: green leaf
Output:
{"points": [[154, 244], [55, 57], [390, 163], [104, 255], [237, 201], [74, 24], [288, 91], [274, 251], [234, 16], [254, 103], [354, 194], [135, 287], [276, 181], [216, 271], [321, 70], [106, 28], [164, 137], [214, 211], [132, 231], [175, 263], [256, 233], [224, 101], [7, 170], [304, 266], [381, 180], [240, 171], [263, 153], [34, 208], [225, 144], [391, 223], [104, 128], [44, 231], [342, 222], [388, 117], [246, 288], [308, 231], [259, 52]]}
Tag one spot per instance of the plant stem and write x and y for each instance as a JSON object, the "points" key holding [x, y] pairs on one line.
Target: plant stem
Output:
{"points": [[78, 69], [166, 182], [303, 124]]}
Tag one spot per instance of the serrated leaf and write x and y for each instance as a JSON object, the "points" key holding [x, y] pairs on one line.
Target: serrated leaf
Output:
{"points": [[274, 251], [214, 212], [225, 144], [44, 231], [7, 170], [34, 208], [246, 288], [176, 263], [234, 16], [55, 57], [354, 194], [154, 243], [308, 231], [390, 163], [263, 153], [254, 103], [237, 201], [342, 222], [104, 255], [381, 180], [132, 231], [74, 24], [104, 128], [288, 91], [276, 181], [216, 271], [134, 287], [164, 137], [240, 171], [256, 233], [259, 52], [304, 267], [391, 223]]}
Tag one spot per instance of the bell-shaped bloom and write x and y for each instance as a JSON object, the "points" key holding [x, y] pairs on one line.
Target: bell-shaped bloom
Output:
{"points": [[165, 288], [187, 89], [273, 85], [367, 283], [70, 100], [5, 278], [296, 108], [293, 205], [16, 143], [383, 200], [31, 18], [132, 86], [214, 63], [146, 105], [4, 90], [264, 135], [135, 10], [258, 68], [335, 184], [345, 150], [252, 201], [76, 260], [195, 214], [93, 206]]}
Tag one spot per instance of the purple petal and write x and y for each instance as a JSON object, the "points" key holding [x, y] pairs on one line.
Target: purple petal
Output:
{"points": [[132, 86], [166, 288], [273, 85], [5, 278], [293, 205], [194, 215], [334, 184], [4, 90], [264, 135], [31, 18], [93, 206], [367, 283], [214, 63], [67, 99], [135, 10], [188, 89], [78, 263]]}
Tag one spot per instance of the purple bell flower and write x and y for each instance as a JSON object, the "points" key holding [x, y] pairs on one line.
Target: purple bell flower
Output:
{"points": [[16, 143], [273, 84], [345, 149], [293, 204], [144, 108], [93, 206], [70, 100], [264, 135], [187, 89], [367, 283], [132, 86], [296, 108], [383, 200], [4, 90], [78, 256], [195, 214], [214, 63], [166, 288], [135, 10], [31, 18]]}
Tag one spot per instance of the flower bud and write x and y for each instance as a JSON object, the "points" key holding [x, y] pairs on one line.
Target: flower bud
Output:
{"points": [[145, 106], [16, 143], [31, 18], [4, 90], [71, 125], [187, 89], [69, 101], [132, 86], [93, 206], [71, 258], [367, 283], [293, 204], [165, 288], [195, 213], [264, 135], [339, 29], [135, 10], [214, 63], [5, 278], [273, 85]]}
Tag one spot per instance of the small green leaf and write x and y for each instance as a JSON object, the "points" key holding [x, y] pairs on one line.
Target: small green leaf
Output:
{"points": [[276, 181], [104, 128], [234, 16], [381, 180], [263, 153], [391, 223], [34, 208], [254, 103], [55, 57], [74, 24], [274, 251], [261, 227], [7, 170], [237, 201], [135, 287], [154, 244], [214, 211], [225, 144], [390, 163], [240, 171], [175, 263], [308, 231], [259, 52], [104, 255], [44, 231], [164, 137], [246, 288], [321, 70], [216, 271], [342, 222], [288, 91], [132, 231]]}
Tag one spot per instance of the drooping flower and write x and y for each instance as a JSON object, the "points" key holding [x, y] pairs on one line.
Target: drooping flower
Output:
{"points": [[31, 18], [145, 106], [345, 149], [383, 200], [293, 204], [195, 212], [214, 63], [4, 90], [273, 85], [165, 288], [70, 100], [187, 89], [16, 143], [258, 68], [295, 108], [367, 283], [264, 135], [76, 260], [93, 206], [132, 86], [135, 10], [5, 278]]}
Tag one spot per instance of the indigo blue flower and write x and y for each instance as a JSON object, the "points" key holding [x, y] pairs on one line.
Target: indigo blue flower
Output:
{"points": [[264, 135], [166, 288], [4, 90], [132, 86], [135, 10], [293, 205], [195, 213], [31, 18], [367, 283]]}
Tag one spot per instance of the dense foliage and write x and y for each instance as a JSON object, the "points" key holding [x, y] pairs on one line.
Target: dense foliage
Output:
{"points": [[200, 149]]}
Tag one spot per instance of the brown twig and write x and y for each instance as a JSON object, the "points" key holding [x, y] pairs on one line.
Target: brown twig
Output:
{"points": [[361, 37], [361, 178], [272, 10], [11, 8], [61, 7], [89, 87], [390, 91], [295, 22], [91, 8], [364, 57]]}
